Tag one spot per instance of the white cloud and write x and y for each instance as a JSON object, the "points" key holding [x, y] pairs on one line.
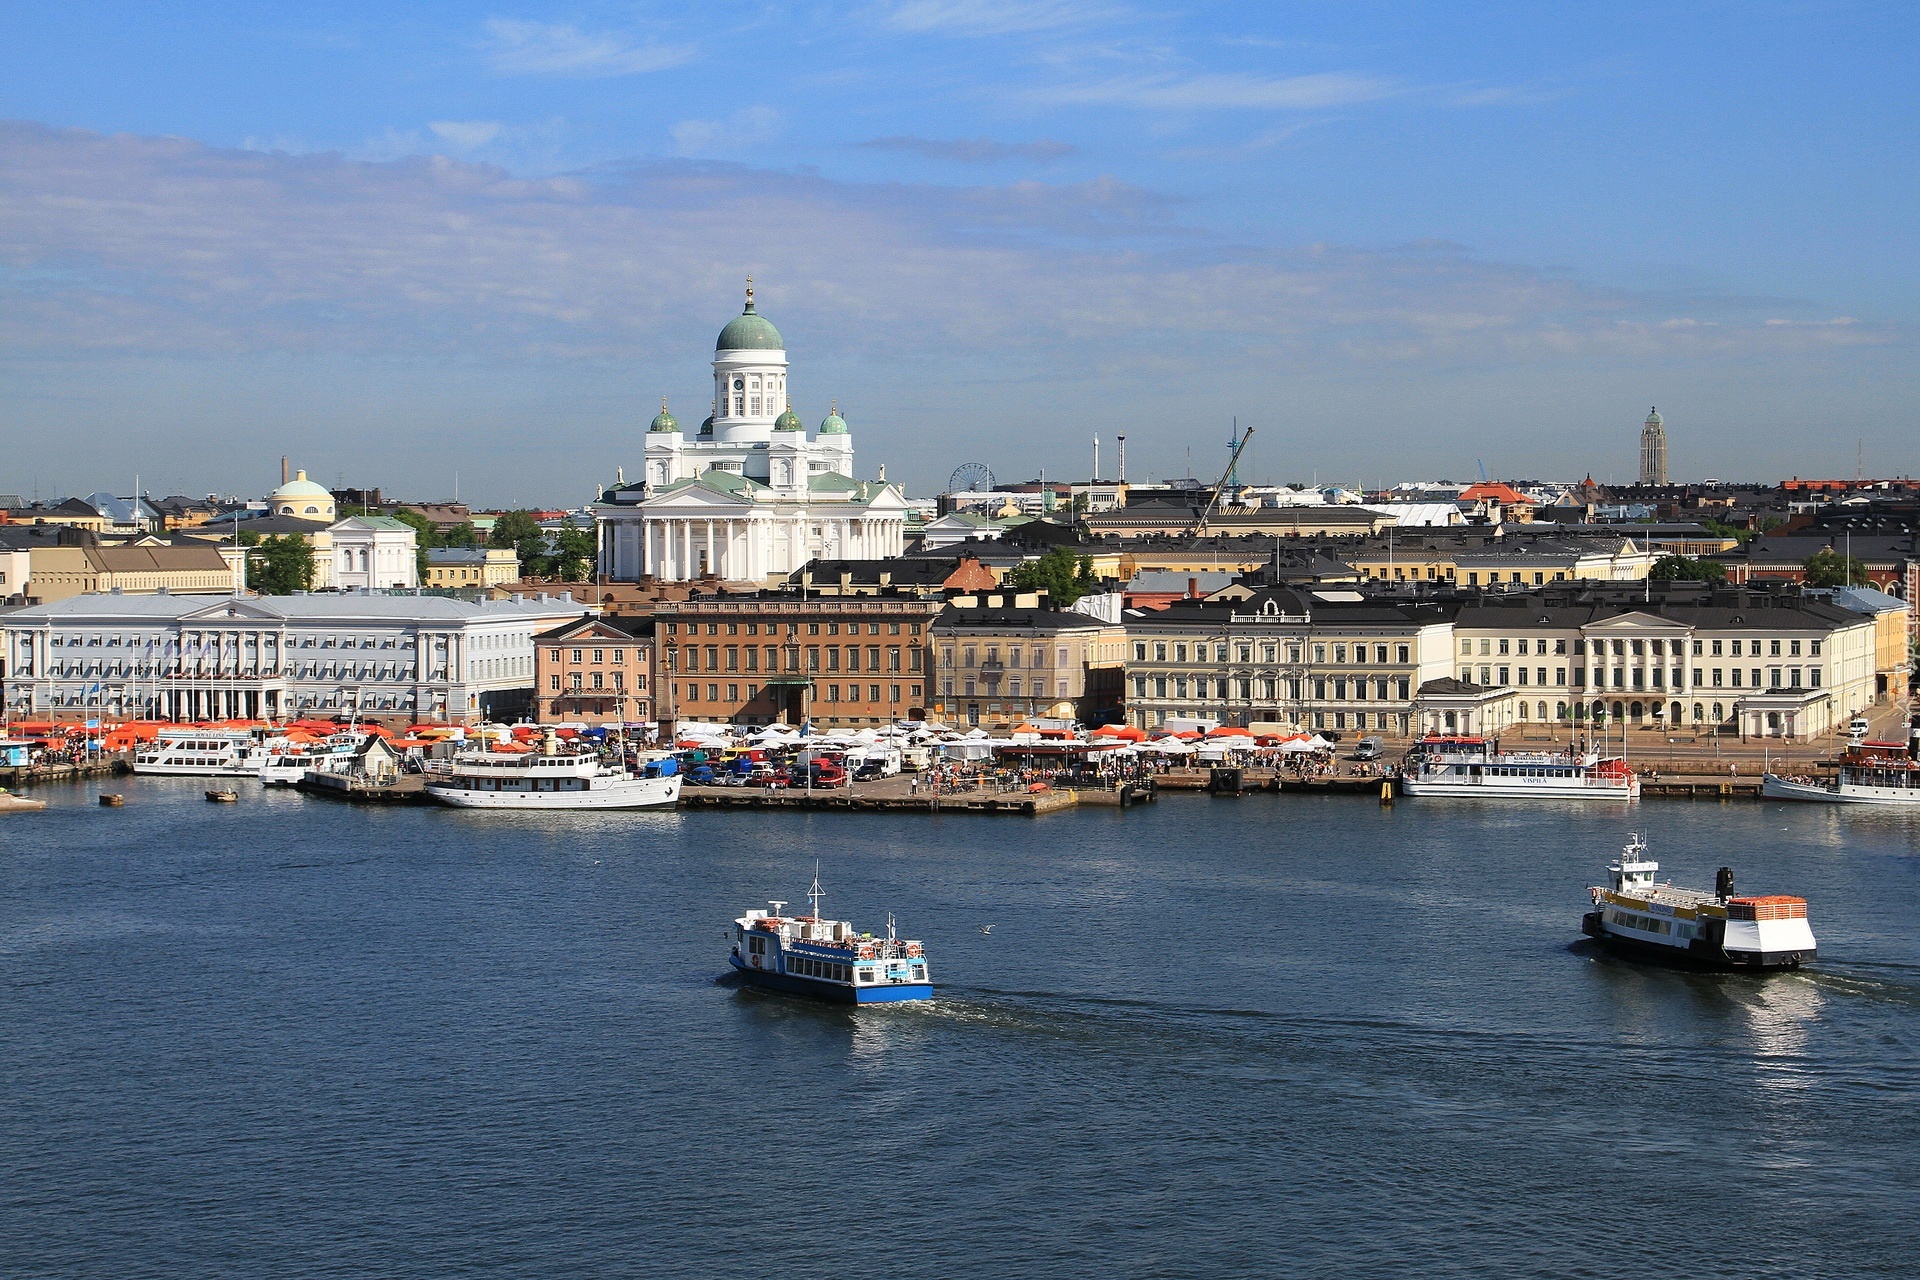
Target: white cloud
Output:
{"points": [[540, 48], [465, 135], [163, 245], [1227, 91], [994, 17], [741, 131]]}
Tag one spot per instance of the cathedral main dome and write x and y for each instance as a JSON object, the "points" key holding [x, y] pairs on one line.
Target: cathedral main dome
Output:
{"points": [[749, 331]]}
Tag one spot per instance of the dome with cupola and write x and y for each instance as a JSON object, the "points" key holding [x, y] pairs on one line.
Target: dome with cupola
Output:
{"points": [[833, 424], [749, 331], [788, 421], [663, 421], [302, 499]]}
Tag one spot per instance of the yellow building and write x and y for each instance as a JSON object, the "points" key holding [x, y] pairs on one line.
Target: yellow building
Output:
{"points": [[455, 567]]}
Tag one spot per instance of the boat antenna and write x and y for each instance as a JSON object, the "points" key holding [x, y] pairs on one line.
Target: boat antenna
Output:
{"points": [[815, 894]]}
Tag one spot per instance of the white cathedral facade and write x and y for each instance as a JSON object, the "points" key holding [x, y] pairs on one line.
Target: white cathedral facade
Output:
{"points": [[750, 497]]}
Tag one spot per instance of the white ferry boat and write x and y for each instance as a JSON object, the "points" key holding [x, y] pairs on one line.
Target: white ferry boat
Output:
{"points": [[205, 753], [1869, 773], [547, 779], [288, 764], [813, 956], [1477, 767], [1692, 927]]}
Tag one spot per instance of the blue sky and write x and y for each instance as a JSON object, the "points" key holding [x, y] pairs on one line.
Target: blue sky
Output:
{"points": [[1399, 239]]}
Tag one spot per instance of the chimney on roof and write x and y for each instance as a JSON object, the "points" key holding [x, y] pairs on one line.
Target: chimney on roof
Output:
{"points": [[1193, 588], [283, 468]]}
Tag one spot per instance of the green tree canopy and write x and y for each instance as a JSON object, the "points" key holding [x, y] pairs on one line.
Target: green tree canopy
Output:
{"points": [[1829, 568], [461, 535], [519, 530], [1064, 576], [280, 566], [1683, 569], [576, 555]]}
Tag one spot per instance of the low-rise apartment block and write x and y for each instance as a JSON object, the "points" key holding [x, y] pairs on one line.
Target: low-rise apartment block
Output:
{"points": [[596, 671], [1000, 664]]}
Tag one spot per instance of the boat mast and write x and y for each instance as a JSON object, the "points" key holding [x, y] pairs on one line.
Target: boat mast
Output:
{"points": [[815, 894]]}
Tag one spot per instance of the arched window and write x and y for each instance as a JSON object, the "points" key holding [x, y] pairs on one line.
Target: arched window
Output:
{"points": [[1523, 711], [1542, 709], [1699, 713], [1560, 710], [1719, 713]]}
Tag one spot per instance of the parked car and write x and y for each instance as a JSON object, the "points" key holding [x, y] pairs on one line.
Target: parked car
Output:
{"points": [[870, 771], [826, 774]]}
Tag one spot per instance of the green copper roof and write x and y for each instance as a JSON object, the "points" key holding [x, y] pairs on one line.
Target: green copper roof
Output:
{"points": [[749, 331], [663, 421], [788, 421], [833, 424]]}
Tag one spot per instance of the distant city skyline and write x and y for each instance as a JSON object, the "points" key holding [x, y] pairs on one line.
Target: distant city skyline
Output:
{"points": [[1400, 243]]}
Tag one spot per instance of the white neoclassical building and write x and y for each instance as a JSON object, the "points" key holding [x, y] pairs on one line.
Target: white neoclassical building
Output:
{"points": [[750, 497]]}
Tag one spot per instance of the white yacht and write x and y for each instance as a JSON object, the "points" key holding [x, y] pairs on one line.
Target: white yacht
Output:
{"points": [[219, 753], [548, 779], [1869, 773], [1477, 767], [289, 763]]}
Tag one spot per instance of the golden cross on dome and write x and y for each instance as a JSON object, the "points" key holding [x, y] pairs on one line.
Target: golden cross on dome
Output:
{"points": [[749, 291]]}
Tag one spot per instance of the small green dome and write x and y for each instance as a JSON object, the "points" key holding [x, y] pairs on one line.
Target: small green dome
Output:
{"points": [[788, 421], [663, 421], [706, 428], [833, 424], [749, 331]]}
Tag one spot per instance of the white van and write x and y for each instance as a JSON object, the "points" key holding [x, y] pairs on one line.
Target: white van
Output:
{"points": [[1371, 748]]}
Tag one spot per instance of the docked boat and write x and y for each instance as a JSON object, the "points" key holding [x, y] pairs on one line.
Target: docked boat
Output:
{"points": [[287, 764], [213, 753], [812, 956], [550, 779], [1692, 927], [1477, 767], [1868, 773]]}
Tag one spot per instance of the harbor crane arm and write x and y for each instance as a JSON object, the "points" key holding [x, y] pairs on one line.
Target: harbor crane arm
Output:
{"points": [[1200, 526]]}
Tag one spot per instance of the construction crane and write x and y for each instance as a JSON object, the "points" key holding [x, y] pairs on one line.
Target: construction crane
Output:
{"points": [[1200, 525]]}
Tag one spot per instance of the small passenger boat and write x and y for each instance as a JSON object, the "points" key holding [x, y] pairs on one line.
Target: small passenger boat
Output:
{"points": [[1457, 767], [1869, 773], [552, 779], [223, 797], [1692, 927], [812, 956]]}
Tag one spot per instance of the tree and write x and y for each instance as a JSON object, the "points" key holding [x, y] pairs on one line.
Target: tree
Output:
{"points": [[575, 555], [425, 535], [1064, 576], [1828, 568], [280, 566], [1683, 569], [461, 535], [520, 531]]}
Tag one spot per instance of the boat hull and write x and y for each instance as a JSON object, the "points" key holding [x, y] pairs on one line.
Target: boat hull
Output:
{"points": [[645, 793], [1499, 790], [1700, 954], [1773, 787], [833, 992]]}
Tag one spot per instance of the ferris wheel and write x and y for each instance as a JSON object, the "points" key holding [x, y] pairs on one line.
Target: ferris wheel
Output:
{"points": [[970, 477]]}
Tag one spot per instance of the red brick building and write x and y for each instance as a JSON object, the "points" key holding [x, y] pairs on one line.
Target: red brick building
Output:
{"points": [[785, 657]]}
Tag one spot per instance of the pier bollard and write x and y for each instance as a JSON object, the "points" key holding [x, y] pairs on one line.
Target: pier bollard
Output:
{"points": [[1386, 791], [112, 801]]}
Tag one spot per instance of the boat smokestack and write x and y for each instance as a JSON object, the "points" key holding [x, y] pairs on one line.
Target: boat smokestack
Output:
{"points": [[549, 742], [1723, 884]]}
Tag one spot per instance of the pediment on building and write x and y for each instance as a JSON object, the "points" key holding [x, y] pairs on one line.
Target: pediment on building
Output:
{"points": [[233, 610]]}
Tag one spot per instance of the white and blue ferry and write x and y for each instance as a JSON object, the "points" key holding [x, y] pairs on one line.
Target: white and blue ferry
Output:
{"points": [[813, 956]]}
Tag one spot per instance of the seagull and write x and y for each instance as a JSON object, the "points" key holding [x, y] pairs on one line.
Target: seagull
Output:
{"points": [[986, 928]]}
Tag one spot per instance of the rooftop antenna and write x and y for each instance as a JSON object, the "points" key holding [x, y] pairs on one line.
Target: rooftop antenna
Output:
{"points": [[1122, 477], [1096, 457]]}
